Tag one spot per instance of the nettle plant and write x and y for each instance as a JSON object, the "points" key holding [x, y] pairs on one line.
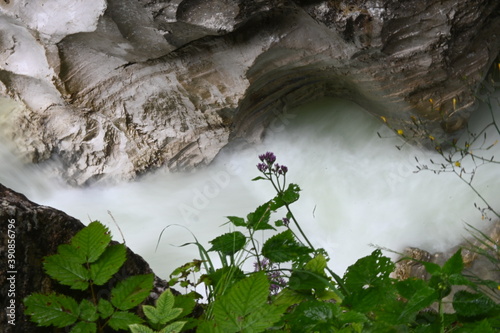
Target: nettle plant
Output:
{"points": [[87, 264], [291, 289]]}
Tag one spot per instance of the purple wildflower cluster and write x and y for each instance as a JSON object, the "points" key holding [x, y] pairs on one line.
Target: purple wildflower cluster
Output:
{"points": [[273, 274], [267, 164]]}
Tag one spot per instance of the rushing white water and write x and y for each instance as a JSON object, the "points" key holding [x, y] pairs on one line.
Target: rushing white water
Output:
{"points": [[357, 189]]}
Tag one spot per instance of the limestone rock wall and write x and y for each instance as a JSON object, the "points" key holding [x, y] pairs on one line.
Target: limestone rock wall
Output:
{"points": [[118, 87]]}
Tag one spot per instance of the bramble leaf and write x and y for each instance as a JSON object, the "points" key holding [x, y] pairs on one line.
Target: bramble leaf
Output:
{"points": [[91, 241], [120, 320], [66, 272], [84, 327], [108, 264], [131, 291], [164, 310], [244, 307], [105, 308], [88, 311], [283, 247], [228, 244], [138, 328], [175, 327], [52, 309]]}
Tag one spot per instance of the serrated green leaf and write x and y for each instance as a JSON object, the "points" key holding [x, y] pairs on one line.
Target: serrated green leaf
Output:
{"points": [[121, 320], [259, 219], [244, 297], [91, 241], [283, 247], [175, 327], [70, 253], [84, 327], [105, 308], [52, 309], [186, 302], [454, 265], [374, 269], [66, 272], [132, 291], [164, 310], [138, 328], [237, 221], [419, 296], [108, 264], [317, 264], [88, 311], [291, 194], [467, 304], [228, 244]]}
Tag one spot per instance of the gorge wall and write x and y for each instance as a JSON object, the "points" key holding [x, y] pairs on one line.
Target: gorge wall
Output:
{"points": [[113, 88]]}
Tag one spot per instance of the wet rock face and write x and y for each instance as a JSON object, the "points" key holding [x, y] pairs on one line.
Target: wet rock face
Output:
{"points": [[147, 83]]}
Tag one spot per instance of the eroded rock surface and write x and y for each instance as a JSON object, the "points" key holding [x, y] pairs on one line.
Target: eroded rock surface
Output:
{"points": [[127, 86]]}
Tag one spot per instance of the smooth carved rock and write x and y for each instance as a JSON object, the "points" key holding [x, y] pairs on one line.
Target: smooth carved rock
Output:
{"points": [[39, 230], [149, 84]]}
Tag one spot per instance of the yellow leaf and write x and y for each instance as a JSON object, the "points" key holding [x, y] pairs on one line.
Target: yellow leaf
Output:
{"points": [[384, 119], [432, 138], [400, 132], [457, 164]]}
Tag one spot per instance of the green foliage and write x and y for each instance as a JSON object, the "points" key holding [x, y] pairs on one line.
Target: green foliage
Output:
{"points": [[89, 261], [291, 290], [244, 307], [159, 315]]}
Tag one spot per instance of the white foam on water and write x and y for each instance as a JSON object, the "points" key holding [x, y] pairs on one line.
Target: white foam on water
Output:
{"points": [[357, 190]]}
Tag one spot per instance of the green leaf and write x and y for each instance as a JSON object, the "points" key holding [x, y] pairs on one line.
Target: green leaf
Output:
{"points": [[315, 316], [244, 307], [368, 271], [454, 265], [228, 244], [121, 320], [88, 311], [91, 241], [138, 328], [467, 304], [419, 296], [52, 309], [108, 264], [258, 178], [105, 308], [132, 291], [259, 219], [291, 194], [186, 302], [175, 327], [237, 221], [431, 267], [84, 327], [70, 253], [66, 272], [283, 247], [164, 310]]}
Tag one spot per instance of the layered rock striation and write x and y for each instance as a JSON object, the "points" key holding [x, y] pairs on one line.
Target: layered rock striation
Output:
{"points": [[114, 88]]}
